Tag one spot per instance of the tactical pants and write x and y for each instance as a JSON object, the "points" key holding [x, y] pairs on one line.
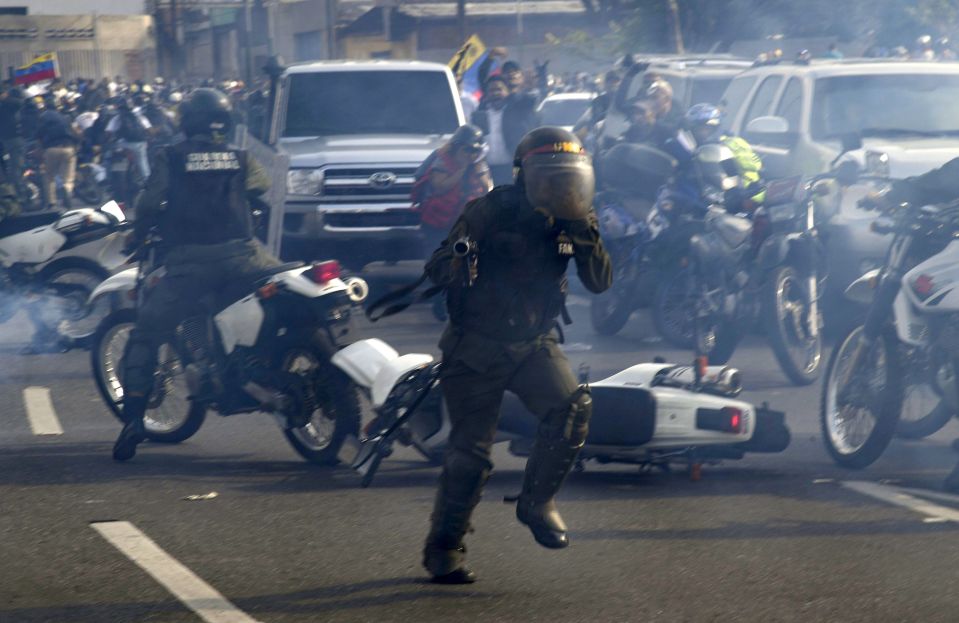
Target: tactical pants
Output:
{"points": [[13, 156], [195, 276], [476, 373]]}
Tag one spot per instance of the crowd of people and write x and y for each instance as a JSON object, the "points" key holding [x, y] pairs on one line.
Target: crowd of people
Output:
{"points": [[49, 131]]}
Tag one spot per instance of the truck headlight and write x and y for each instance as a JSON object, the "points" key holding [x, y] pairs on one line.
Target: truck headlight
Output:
{"points": [[877, 164], [304, 181]]}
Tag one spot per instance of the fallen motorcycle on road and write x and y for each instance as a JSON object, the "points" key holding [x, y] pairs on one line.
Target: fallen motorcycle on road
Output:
{"points": [[651, 414]]}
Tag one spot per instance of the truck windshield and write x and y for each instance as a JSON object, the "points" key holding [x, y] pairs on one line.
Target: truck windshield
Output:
{"points": [[891, 105], [370, 102]]}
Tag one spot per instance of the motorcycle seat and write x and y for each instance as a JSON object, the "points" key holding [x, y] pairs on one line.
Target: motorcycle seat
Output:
{"points": [[622, 416], [274, 270], [26, 222]]}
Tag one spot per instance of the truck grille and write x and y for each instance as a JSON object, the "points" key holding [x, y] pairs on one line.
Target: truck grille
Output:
{"points": [[367, 183], [372, 219]]}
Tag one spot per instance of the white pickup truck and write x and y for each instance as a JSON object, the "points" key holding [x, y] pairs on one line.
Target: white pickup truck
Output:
{"points": [[355, 132]]}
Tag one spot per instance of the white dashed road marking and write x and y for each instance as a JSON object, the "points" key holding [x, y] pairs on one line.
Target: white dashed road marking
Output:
{"points": [[897, 496], [185, 585], [43, 419]]}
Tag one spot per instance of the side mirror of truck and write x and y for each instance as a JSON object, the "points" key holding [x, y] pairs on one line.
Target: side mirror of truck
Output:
{"points": [[770, 130]]}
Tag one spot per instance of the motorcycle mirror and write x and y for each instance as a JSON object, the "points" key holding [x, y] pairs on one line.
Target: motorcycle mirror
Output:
{"points": [[850, 142], [847, 173]]}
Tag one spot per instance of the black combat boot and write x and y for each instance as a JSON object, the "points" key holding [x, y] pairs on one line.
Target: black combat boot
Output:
{"points": [[133, 434], [461, 485], [546, 469]]}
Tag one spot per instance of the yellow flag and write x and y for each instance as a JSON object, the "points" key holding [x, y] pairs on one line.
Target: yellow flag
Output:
{"points": [[467, 56]]}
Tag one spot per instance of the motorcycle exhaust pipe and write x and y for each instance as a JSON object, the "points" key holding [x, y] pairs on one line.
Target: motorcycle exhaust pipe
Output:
{"points": [[726, 379], [270, 401], [357, 289]]}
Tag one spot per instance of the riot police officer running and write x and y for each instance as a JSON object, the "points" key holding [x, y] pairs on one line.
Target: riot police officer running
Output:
{"points": [[504, 297], [197, 197]]}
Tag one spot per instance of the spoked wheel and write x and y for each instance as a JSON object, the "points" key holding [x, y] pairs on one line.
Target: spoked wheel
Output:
{"points": [[786, 311], [861, 398], [924, 412], [673, 309], [331, 400], [69, 311], [171, 417]]}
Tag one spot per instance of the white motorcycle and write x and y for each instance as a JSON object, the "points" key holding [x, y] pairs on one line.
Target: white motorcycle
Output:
{"points": [[649, 414], [51, 262], [268, 350], [897, 371]]}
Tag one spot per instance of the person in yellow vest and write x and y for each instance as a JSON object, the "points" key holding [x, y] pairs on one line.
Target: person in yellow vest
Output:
{"points": [[702, 121]]}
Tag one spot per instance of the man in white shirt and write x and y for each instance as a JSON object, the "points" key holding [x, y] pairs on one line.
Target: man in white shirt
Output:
{"points": [[504, 118], [131, 127]]}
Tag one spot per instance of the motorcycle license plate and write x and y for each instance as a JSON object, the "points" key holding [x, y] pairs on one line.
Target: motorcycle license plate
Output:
{"points": [[120, 166]]}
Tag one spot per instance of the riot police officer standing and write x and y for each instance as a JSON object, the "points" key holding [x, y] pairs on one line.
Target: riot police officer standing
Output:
{"points": [[197, 197], [504, 266]]}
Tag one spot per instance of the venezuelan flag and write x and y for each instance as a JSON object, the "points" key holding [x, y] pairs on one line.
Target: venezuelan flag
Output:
{"points": [[43, 67]]}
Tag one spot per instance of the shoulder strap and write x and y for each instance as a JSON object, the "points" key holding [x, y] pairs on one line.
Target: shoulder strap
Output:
{"points": [[389, 307]]}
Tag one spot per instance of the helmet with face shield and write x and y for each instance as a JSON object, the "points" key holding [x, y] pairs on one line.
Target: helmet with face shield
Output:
{"points": [[556, 173]]}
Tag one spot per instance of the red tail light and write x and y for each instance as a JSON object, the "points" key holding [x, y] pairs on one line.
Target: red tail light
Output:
{"points": [[322, 272], [725, 420], [734, 419]]}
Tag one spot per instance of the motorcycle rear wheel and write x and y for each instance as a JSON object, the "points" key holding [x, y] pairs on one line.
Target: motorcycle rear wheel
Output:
{"points": [[170, 416], [336, 413], [856, 435], [785, 307]]}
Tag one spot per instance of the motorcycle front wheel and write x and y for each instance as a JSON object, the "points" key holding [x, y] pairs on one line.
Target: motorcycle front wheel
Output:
{"points": [[785, 308], [610, 310], [924, 412], [861, 398], [334, 409], [171, 417], [671, 309]]}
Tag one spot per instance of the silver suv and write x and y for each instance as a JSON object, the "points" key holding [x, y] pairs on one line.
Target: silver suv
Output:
{"points": [[795, 115], [355, 133]]}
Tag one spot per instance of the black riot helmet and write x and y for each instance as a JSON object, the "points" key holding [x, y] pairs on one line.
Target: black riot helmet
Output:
{"points": [[206, 111], [556, 172], [469, 137]]}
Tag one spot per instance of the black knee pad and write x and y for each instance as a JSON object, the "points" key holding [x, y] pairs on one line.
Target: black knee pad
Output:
{"points": [[571, 422]]}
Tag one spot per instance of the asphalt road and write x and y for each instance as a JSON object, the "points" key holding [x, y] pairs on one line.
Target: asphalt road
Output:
{"points": [[787, 537]]}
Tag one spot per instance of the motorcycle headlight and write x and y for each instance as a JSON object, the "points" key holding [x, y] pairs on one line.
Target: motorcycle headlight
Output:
{"points": [[304, 181]]}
